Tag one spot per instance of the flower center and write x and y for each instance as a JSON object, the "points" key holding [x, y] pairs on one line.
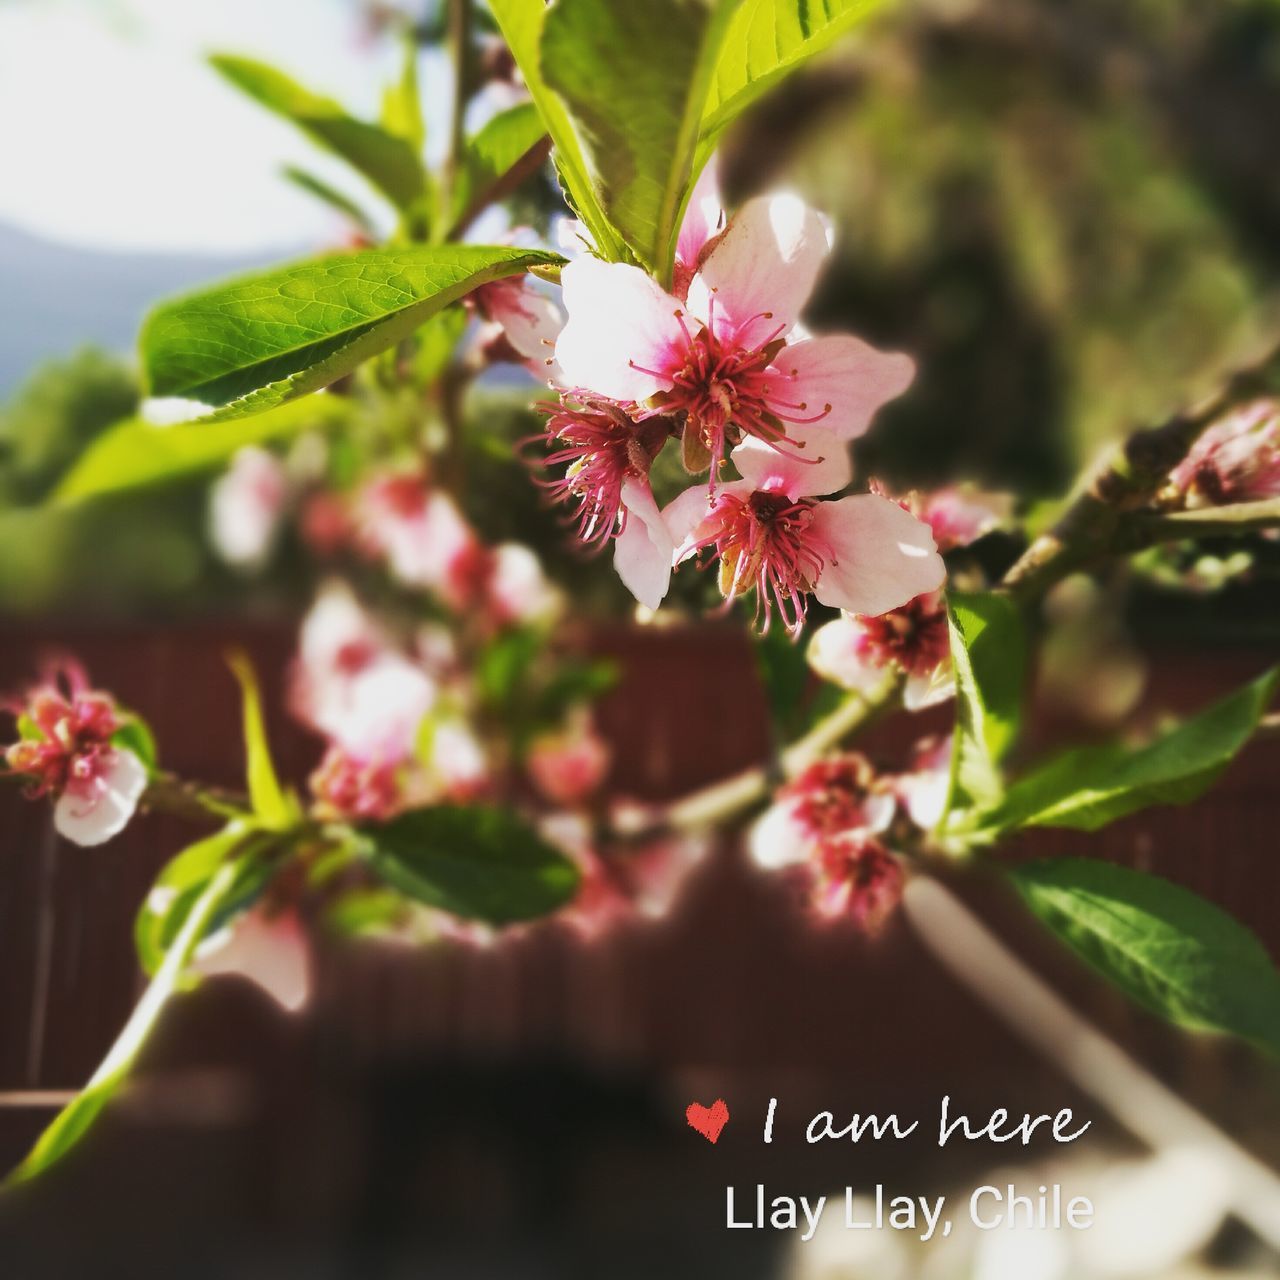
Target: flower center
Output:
{"points": [[728, 390], [766, 541], [600, 449], [832, 795], [914, 637]]}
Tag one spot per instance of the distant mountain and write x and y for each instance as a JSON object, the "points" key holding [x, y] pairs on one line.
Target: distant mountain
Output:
{"points": [[55, 298]]}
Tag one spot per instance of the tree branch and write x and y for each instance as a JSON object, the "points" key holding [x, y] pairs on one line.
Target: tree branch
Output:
{"points": [[1090, 527]]}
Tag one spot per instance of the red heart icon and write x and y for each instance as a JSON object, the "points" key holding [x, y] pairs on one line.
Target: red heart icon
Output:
{"points": [[708, 1121]]}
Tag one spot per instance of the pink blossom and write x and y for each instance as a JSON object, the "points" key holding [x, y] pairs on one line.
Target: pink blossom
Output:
{"points": [[858, 879], [863, 553], [270, 950], [352, 685], [856, 651], [69, 754], [359, 789], [517, 591], [246, 506], [829, 799], [1235, 460], [569, 765], [420, 532], [723, 356], [958, 514], [529, 320]]}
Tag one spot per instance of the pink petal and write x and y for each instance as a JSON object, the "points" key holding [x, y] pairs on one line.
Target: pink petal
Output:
{"points": [[844, 373], [94, 812], [814, 464], [531, 321], [703, 218], [763, 271], [881, 556], [642, 552], [836, 654], [619, 319]]}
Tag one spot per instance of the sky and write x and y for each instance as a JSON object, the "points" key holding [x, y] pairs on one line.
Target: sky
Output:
{"points": [[116, 136]]}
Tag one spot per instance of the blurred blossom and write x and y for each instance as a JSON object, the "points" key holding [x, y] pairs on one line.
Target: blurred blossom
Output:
{"points": [[958, 514], [923, 788], [831, 798], [568, 765], [351, 685], [270, 950], [1235, 460], [856, 651], [325, 523], [855, 877], [517, 589], [457, 760], [418, 531], [67, 752], [246, 506], [346, 786]]}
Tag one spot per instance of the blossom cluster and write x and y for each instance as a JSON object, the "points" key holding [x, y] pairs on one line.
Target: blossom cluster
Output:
{"points": [[832, 828], [721, 363]]}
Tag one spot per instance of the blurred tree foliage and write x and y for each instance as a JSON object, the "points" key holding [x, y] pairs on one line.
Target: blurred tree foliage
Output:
{"points": [[1068, 212]]}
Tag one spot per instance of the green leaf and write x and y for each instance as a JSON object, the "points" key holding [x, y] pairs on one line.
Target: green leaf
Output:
{"points": [[639, 123], [135, 735], [331, 196], [270, 803], [74, 1120], [402, 104], [784, 673], [176, 890], [258, 341], [988, 649], [1169, 950], [766, 41], [134, 454], [490, 158], [473, 861], [389, 162], [436, 342], [522, 22], [1088, 788]]}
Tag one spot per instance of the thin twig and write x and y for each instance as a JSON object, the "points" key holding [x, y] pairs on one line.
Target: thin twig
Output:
{"points": [[1146, 529], [726, 799]]}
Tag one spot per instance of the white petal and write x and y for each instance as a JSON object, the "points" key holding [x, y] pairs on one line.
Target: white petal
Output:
{"points": [[777, 840], [642, 552], [518, 587], [686, 512], [92, 815], [531, 321], [619, 319], [930, 690], [759, 277], [814, 464], [270, 951], [836, 655], [881, 556], [840, 377]]}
